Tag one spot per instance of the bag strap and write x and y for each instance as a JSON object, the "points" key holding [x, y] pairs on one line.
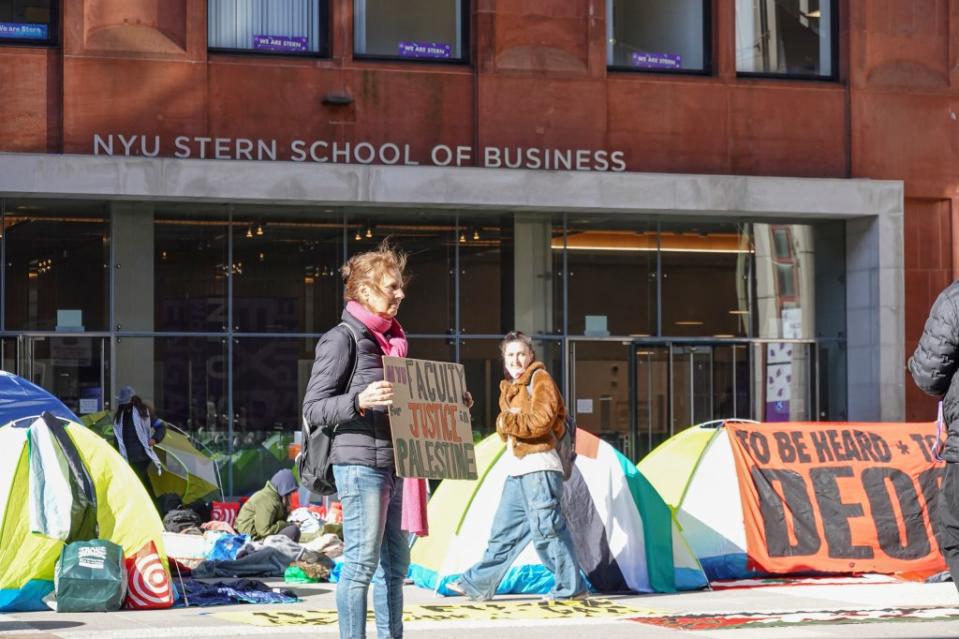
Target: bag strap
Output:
{"points": [[940, 443], [355, 354], [354, 343]]}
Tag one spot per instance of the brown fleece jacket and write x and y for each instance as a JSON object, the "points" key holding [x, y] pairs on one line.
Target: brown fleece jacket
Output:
{"points": [[539, 423]]}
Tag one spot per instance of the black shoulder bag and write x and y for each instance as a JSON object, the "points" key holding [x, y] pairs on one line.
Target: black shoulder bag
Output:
{"points": [[313, 463]]}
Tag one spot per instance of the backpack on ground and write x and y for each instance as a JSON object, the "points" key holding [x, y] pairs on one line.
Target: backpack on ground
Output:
{"points": [[313, 465], [566, 444], [90, 577]]}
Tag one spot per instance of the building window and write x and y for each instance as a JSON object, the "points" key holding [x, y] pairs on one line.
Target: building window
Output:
{"points": [[284, 27], [787, 37], [658, 35], [424, 30], [28, 21]]}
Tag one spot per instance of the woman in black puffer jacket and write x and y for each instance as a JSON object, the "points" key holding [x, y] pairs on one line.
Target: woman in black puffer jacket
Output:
{"points": [[356, 400], [933, 367]]}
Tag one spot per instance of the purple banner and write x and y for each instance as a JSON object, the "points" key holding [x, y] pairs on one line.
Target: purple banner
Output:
{"points": [[23, 31], [656, 60], [425, 50], [284, 44]]}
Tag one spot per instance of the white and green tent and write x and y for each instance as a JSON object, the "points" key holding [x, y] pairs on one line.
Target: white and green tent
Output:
{"points": [[60, 482], [626, 538], [695, 473]]}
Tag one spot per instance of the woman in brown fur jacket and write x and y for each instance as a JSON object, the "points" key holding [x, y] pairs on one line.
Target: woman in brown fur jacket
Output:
{"points": [[531, 423]]}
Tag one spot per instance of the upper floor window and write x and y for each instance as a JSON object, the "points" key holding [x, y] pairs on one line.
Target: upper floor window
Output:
{"points": [[28, 21], [658, 35], [787, 37], [286, 27], [432, 30]]}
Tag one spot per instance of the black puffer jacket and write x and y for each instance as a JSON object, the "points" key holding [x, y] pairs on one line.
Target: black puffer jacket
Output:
{"points": [[360, 439], [934, 364]]}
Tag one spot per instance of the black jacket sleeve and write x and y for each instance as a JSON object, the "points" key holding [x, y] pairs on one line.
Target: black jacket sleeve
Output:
{"points": [[328, 401], [935, 360]]}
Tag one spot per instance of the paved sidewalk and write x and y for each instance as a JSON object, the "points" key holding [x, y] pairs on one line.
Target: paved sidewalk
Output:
{"points": [[525, 618]]}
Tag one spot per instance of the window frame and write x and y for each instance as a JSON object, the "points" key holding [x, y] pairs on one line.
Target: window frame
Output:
{"points": [[465, 46], [834, 57], [53, 31], [323, 48], [707, 69]]}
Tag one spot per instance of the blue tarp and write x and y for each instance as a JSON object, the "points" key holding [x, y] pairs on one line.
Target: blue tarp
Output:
{"points": [[20, 399]]}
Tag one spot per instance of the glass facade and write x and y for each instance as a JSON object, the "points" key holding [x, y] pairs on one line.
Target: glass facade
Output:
{"points": [[658, 35], [429, 30], [787, 37], [213, 312]]}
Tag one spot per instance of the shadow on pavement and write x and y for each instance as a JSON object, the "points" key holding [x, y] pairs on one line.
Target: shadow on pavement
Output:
{"points": [[21, 626]]}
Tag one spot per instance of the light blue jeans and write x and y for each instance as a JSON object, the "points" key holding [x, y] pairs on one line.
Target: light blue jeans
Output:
{"points": [[529, 509], [374, 549]]}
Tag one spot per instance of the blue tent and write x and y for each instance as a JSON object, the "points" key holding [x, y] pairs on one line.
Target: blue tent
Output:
{"points": [[20, 398]]}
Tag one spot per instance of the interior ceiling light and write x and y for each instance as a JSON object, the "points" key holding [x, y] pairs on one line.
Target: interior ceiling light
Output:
{"points": [[259, 229], [249, 232], [739, 312], [688, 323], [476, 235], [357, 237], [369, 232], [462, 237]]}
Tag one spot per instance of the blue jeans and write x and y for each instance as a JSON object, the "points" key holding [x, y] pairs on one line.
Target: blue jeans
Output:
{"points": [[529, 508], [374, 549]]}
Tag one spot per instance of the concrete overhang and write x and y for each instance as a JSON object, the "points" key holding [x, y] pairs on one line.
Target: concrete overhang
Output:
{"points": [[167, 179]]}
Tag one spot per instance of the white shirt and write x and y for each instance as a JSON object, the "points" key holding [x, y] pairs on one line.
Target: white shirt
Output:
{"points": [[531, 463]]}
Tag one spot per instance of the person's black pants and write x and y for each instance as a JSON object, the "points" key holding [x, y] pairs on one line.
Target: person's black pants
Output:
{"points": [[949, 519], [141, 468]]}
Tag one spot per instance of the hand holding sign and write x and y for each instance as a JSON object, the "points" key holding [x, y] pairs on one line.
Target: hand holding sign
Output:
{"points": [[376, 394]]}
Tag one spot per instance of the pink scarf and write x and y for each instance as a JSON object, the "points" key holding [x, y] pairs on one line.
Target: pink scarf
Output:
{"points": [[392, 340], [395, 345]]}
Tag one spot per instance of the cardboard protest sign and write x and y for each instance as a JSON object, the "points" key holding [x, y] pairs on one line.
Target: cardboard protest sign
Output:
{"points": [[856, 497], [432, 435]]}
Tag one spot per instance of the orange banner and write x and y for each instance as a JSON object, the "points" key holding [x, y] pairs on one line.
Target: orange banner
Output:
{"points": [[850, 497]]}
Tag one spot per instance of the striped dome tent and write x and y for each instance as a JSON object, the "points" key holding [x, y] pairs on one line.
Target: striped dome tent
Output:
{"points": [[625, 536]]}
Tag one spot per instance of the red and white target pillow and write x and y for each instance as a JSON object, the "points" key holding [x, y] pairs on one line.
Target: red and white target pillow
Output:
{"points": [[148, 582]]}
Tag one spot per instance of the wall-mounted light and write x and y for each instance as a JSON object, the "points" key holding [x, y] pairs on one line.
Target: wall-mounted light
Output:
{"points": [[337, 98]]}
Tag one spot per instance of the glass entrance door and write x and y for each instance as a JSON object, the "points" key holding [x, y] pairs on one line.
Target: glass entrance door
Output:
{"points": [[636, 393], [680, 384], [75, 368]]}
